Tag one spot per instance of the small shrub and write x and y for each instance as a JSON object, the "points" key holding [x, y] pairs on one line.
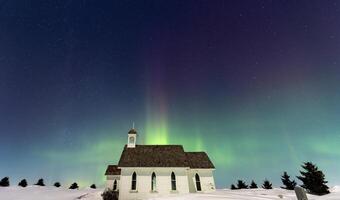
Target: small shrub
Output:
{"points": [[267, 185], [74, 186], [233, 187], [4, 182], [23, 183], [110, 195], [40, 182], [93, 186], [241, 185], [57, 184], [253, 185]]}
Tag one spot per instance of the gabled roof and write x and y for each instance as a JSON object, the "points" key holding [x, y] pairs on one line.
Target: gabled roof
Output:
{"points": [[153, 156], [199, 160], [112, 170], [132, 131], [163, 156]]}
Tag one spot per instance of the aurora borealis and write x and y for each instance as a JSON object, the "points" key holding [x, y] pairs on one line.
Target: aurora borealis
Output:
{"points": [[255, 84]]}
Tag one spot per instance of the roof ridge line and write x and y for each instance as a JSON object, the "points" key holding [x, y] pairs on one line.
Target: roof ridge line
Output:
{"points": [[159, 145]]}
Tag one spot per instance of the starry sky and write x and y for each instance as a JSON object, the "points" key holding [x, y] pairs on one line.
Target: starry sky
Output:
{"points": [[255, 84]]}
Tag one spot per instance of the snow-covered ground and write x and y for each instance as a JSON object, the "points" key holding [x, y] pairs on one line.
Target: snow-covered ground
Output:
{"points": [[253, 194], [48, 193], [53, 193]]}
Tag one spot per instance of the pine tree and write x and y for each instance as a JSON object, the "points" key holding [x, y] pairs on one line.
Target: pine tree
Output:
{"points": [[57, 184], [253, 185], [23, 183], [241, 185], [289, 185], [73, 186], [4, 182], [93, 186], [233, 187], [266, 184], [40, 182], [313, 179]]}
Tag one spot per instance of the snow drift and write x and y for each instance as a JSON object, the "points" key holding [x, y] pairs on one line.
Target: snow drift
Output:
{"points": [[53, 193]]}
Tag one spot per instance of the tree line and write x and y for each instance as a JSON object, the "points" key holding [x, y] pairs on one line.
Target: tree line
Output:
{"points": [[313, 180], [23, 183]]}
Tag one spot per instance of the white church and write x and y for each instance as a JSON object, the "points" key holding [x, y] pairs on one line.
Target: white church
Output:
{"points": [[146, 171]]}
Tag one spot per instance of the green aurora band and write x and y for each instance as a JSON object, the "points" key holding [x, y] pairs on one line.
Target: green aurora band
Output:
{"points": [[242, 142]]}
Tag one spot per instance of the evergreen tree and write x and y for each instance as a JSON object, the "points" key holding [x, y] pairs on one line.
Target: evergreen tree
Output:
{"points": [[233, 187], [93, 186], [40, 182], [241, 185], [57, 184], [313, 179], [253, 185], [288, 184], [73, 186], [267, 185], [4, 182], [23, 183]]}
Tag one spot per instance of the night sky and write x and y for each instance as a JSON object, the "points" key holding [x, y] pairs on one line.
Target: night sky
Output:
{"points": [[255, 84]]}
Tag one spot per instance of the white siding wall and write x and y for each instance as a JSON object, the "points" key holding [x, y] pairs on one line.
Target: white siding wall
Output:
{"points": [[163, 182], [110, 180], [206, 178]]}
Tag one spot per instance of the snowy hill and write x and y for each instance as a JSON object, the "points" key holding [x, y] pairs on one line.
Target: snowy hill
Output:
{"points": [[48, 193], [253, 194], [53, 193]]}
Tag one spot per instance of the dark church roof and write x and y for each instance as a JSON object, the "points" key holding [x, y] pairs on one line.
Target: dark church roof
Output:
{"points": [[112, 170], [199, 160], [163, 156]]}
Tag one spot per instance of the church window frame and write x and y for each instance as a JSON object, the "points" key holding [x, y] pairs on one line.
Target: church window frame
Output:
{"points": [[173, 181], [115, 185], [134, 181], [198, 182], [153, 182], [131, 140]]}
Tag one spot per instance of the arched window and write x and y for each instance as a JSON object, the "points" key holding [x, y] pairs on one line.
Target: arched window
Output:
{"points": [[115, 185], [198, 182], [134, 181], [173, 181], [153, 182], [131, 140]]}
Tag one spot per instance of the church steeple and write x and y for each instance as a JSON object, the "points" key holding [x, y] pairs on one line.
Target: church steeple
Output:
{"points": [[132, 137]]}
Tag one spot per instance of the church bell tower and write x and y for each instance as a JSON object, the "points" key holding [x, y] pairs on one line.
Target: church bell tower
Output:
{"points": [[132, 137]]}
